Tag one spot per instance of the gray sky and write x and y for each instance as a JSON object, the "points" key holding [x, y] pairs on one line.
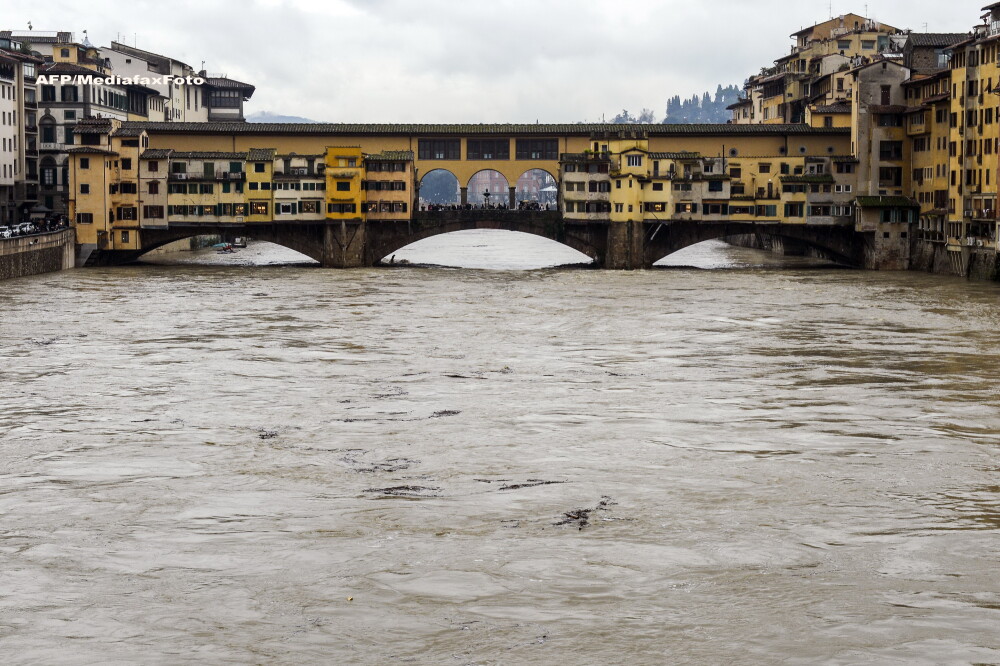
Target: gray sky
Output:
{"points": [[471, 60]]}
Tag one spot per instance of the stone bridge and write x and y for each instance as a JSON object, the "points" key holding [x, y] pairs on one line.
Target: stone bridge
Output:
{"points": [[614, 245]]}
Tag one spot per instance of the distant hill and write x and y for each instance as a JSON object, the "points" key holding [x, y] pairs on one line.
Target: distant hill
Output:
{"points": [[268, 117]]}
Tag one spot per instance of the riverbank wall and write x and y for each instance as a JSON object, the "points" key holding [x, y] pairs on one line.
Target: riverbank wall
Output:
{"points": [[41, 253], [974, 263]]}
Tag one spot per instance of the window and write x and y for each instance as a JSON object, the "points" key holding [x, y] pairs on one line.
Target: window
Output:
{"points": [[152, 212], [207, 188], [127, 213], [764, 168], [439, 149], [48, 93], [84, 189], [259, 167], [343, 186], [890, 150], [70, 94], [84, 162], [487, 149], [715, 186], [129, 188], [537, 149], [84, 218], [635, 160], [686, 208], [793, 210], [154, 188], [657, 187], [259, 207], [286, 209]]}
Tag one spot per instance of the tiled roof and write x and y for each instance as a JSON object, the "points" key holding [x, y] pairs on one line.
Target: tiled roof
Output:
{"points": [[580, 129], [127, 131], [156, 154], [91, 150], [391, 156], [261, 154], [208, 155], [674, 156], [738, 104], [69, 68], [88, 128], [936, 39], [225, 82], [833, 108], [887, 202]]}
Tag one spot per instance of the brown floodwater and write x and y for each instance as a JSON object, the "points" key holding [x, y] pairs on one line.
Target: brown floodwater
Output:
{"points": [[771, 462]]}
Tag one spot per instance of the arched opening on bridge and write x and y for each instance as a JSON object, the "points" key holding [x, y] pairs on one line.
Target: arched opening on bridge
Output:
{"points": [[206, 251], [490, 189], [488, 249], [742, 252], [537, 188], [439, 187]]}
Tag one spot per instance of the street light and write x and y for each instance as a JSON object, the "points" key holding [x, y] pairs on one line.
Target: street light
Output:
{"points": [[486, 197]]}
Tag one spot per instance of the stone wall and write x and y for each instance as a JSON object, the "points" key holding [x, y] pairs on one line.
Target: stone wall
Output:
{"points": [[30, 255], [973, 263]]}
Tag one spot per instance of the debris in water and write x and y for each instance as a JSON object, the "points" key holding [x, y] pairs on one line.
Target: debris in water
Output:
{"points": [[530, 483], [445, 412], [581, 517], [405, 491], [267, 434]]}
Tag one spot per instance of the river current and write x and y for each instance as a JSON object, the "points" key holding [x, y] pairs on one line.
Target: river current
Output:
{"points": [[769, 462]]}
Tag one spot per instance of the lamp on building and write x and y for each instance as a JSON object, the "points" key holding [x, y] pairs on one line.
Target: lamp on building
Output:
{"points": [[486, 197]]}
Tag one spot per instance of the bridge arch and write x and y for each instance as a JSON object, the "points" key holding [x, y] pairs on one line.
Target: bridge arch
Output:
{"points": [[587, 240], [538, 185], [837, 244], [488, 186], [439, 186]]}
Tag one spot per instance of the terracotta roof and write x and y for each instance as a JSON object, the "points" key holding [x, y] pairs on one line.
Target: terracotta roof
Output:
{"points": [[127, 131], [225, 82], [261, 154], [207, 155], [887, 202], [833, 108], [742, 102], [92, 150], [87, 128], [156, 154], [536, 129], [936, 39], [674, 156], [69, 68], [391, 156]]}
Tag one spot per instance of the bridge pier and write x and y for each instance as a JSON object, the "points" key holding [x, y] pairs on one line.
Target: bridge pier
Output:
{"points": [[344, 245], [464, 195], [626, 248], [512, 201]]}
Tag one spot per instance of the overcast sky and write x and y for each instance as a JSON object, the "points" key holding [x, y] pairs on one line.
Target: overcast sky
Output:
{"points": [[470, 60]]}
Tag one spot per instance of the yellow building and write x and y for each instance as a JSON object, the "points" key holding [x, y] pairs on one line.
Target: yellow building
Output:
{"points": [[389, 185], [345, 198]]}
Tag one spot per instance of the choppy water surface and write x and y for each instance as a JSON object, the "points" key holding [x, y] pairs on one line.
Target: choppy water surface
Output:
{"points": [[236, 464]]}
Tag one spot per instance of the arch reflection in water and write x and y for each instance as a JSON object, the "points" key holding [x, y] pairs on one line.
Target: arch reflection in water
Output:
{"points": [[490, 249]]}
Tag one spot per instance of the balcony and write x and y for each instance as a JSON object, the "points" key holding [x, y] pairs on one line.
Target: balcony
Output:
{"points": [[31, 129], [30, 104]]}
